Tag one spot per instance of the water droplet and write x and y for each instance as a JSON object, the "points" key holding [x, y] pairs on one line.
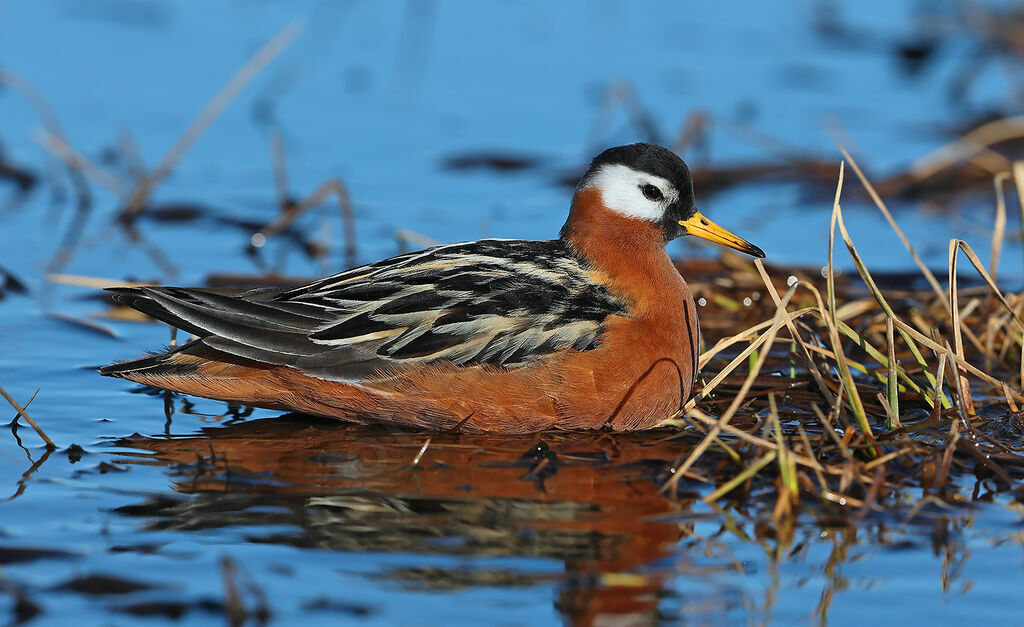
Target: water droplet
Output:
{"points": [[791, 281], [702, 301], [258, 240], [747, 302], [842, 501], [756, 296]]}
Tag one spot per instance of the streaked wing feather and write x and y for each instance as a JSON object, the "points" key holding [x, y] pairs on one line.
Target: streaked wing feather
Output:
{"points": [[233, 325], [498, 302]]}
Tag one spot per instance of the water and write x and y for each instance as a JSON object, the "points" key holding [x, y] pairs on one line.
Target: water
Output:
{"points": [[335, 523]]}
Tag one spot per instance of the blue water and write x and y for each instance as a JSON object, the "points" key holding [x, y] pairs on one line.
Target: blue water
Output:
{"points": [[379, 94]]}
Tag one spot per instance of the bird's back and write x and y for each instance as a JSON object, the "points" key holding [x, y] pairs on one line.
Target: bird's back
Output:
{"points": [[502, 303]]}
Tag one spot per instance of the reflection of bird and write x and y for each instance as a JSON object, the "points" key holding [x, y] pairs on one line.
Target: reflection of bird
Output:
{"points": [[585, 500], [590, 330]]}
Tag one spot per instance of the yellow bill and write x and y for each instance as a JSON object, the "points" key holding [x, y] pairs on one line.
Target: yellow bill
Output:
{"points": [[703, 228]]}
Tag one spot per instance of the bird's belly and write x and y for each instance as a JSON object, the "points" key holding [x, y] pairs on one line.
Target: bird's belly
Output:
{"points": [[641, 375]]}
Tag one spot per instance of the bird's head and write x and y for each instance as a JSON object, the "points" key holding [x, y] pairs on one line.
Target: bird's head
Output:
{"points": [[650, 183]]}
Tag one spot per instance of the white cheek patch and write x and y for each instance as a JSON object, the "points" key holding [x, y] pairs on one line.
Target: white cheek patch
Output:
{"points": [[620, 190]]}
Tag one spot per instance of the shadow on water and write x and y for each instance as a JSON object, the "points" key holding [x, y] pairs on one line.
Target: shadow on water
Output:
{"points": [[591, 501]]}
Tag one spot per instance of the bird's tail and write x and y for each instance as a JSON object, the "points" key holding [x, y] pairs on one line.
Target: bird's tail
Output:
{"points": [[155, 364], [198, 370]]}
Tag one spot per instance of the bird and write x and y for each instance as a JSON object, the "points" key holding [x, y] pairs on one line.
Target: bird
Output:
{"points": [[596, 329]]}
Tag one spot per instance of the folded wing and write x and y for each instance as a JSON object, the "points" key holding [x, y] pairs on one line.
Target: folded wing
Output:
{"points": [[498, 302]]}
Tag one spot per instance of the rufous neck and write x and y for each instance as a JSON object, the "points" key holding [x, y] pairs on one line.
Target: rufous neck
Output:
{"points": [[610, 240]]}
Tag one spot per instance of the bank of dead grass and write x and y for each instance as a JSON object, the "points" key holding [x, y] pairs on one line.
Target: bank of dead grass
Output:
{"points": [[852, 390]]}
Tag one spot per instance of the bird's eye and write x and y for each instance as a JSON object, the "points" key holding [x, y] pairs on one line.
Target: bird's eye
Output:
{"points": [[651, 192]]}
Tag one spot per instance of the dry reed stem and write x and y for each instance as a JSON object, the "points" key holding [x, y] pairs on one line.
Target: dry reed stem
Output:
{"points": [[227, 93], [35, 99], [999, 230], [407, 237], [82, 323], [692, 131], [938, 348], [992, 327], [892, 418], [985, 460], [1018, 181], [279, 166], [80, 280], [856, 405], [875, 354], [61, 149], [889, 457], [52, 124], [21, 412], [877, 483], [892, 389], [129, 150], [48, 117], [966, 330], [1009, 398], [742, 336], [980, 267], [969, 145], [856, 365], [947, 455], [808, 361], [787, 467], [892, 223], [940, 372], [826, 423], [809, 453], [809, 462], [621, 94], [234, 609], [852, 309], [348, 218], [745, 474], [727, 370], [964, 397], [740, 396], [869, 281]]}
